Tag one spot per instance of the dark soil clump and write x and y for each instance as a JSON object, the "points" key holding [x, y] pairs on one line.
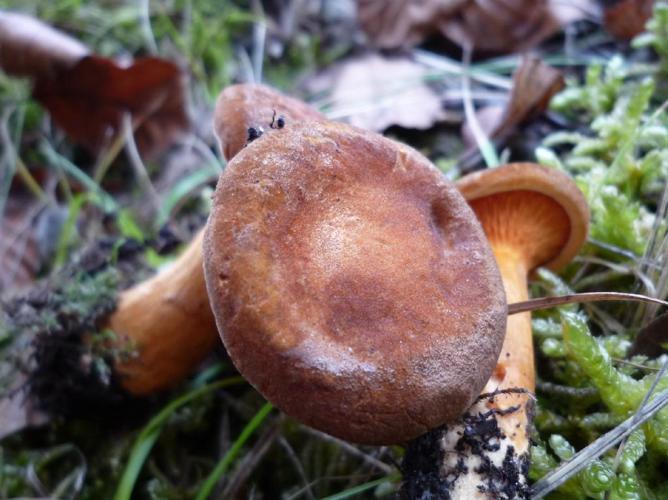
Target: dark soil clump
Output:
{"points": [[427, 477], [56, 333]]}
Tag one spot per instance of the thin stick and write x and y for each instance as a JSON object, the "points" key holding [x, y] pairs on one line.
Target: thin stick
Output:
{"points": [[137, 164], [578, 298], [584, 457], [483, 142], [644, 402]]}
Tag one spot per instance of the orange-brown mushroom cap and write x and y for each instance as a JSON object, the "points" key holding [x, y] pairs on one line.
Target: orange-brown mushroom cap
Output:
{"points": [[351, 283], [252, 105], [538, 209]]}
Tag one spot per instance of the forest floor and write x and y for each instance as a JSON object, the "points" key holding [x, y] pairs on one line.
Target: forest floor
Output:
{"points": [[92, 202]]}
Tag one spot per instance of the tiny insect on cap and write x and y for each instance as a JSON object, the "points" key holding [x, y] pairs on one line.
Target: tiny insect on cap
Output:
{"points": [[254, 133], [245, 106]]}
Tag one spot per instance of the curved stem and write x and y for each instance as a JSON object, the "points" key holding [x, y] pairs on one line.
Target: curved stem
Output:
{"points": [[486, 454], [168, 320], [579, 298], [515, 367]]}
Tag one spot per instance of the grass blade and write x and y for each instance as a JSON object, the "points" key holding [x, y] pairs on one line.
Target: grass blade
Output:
{"points": [[361, 488], [580, 298], [567, 469], [151, 432], [220, 469]]}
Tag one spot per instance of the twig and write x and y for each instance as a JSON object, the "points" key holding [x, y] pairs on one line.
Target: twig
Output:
{"points": [[579, 298], [584, 457], [484, 144], [137, 163], [352, 450]]}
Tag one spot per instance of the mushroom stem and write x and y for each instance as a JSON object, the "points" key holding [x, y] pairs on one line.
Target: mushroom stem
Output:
{"points": [[486, 454], [515, 367], [168, 321], [533, 216]]}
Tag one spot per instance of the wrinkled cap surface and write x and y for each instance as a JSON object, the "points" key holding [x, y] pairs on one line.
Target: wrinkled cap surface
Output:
{"points": [[351, 283]]}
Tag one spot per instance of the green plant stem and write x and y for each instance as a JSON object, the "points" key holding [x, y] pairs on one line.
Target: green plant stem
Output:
{"points": [[30, 181], [149, 435], [220, 469], [361, 488]]}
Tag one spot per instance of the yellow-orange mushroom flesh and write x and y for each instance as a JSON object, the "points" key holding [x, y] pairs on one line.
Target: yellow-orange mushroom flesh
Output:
{"points": [[533, 216], [167, 319]]}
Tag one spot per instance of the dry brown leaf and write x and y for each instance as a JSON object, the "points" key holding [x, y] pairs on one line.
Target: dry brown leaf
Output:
{"points": [[31, 48], [626, 18], [19, 252], [493, 26], [87, 95], [534, 84], [652, 338], [17, 411], [88, 101], [375, 92], [403, 23]]}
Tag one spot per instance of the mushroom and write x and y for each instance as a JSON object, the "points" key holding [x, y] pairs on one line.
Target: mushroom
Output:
{"points": [[533, 216], [351, 283], [167, 318], [245, 111]]}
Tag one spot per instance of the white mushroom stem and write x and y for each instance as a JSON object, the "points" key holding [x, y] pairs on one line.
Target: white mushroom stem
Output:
{"points": [[532, 216], [495, 464]]}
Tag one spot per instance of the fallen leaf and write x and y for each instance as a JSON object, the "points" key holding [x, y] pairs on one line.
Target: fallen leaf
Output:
{"points": [[88, 101], [29, 239], [31, 48], [87, 95], [17, 411], [652, 339], [493, 26], [375, 92], [626, 18], [534, 84]]}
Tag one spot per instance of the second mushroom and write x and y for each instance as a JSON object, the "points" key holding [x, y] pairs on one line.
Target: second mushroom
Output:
{"points": [[533, 216]]}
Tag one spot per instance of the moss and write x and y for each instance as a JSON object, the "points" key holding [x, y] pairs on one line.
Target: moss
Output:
{"points": [[55, 333]]}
